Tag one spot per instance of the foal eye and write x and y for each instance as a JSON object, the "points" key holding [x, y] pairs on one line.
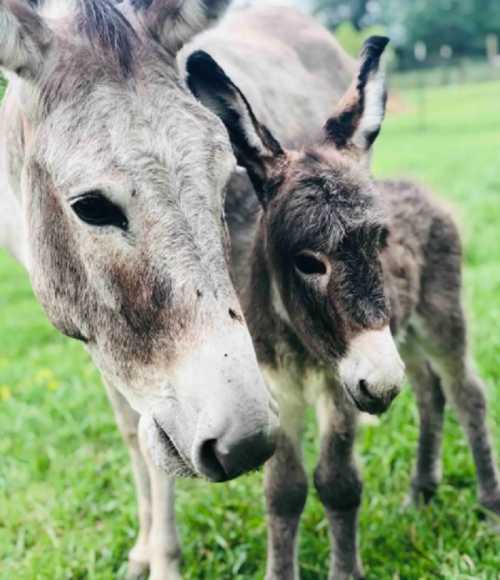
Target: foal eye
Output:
{"points": [[95, 209], [310, 264]]}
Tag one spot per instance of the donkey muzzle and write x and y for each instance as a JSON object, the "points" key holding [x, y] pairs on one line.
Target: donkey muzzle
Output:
{"points": [[372, 372], [224, 418]]}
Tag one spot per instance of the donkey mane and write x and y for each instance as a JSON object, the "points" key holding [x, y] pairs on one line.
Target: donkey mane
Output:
{"points": [[105, 25], [100, 23]]}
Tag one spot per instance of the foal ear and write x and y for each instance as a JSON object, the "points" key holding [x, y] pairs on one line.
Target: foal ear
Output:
{"points": [[175, 22], [357, 121], [25, 39], [254, 146]]}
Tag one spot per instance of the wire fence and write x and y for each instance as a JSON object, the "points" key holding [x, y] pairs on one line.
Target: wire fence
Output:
{"points": [[440, 72]]}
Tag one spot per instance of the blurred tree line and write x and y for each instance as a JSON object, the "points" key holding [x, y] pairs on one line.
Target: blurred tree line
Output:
{"points": [[461, 25]]}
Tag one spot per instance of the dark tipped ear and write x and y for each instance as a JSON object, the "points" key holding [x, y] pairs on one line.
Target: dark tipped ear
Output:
{"points": [[175, 22], [254, 146], [359, 115], [25, 40]]}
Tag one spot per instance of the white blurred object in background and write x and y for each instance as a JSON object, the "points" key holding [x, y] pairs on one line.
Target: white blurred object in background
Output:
{"points": [[305, 5]]}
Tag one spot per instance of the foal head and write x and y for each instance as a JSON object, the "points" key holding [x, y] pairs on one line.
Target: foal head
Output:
{"points": [[323, 226], [123, 181]]}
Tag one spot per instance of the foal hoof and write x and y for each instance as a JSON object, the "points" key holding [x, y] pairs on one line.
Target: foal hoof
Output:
{"points": [[420, 495], [343, 575], [491, 507]]}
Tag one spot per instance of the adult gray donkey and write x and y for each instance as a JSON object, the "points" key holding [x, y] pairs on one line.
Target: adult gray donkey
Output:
{"points": [[111, 194]]}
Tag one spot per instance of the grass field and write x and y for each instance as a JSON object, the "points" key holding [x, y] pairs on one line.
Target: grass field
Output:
{"points": [[66, 500]]}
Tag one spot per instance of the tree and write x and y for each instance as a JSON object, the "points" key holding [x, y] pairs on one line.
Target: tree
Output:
{"points": [[337, 11], [460, 24]]}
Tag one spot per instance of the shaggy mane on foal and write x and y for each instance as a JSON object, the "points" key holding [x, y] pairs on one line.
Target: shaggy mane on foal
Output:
{"points": [[330, 268]]}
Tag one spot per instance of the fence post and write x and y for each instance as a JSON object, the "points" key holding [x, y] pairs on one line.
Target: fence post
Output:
{"points": [[420, 51], [492, 48], [446, 52]]}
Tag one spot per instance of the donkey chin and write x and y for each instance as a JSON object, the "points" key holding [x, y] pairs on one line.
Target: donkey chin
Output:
{"points": [[372, 371]]}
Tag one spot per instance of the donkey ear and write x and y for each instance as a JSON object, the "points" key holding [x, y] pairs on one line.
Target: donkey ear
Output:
{"points": [[175, 22], [25, 39], [254, 146], [359, 115]]}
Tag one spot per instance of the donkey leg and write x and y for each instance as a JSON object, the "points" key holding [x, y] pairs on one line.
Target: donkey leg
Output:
{"points": [[444, 339], [339, 486], [431, 403], [127, 420], [286, 494], [442, 328], [164, 544], [467, 393]]}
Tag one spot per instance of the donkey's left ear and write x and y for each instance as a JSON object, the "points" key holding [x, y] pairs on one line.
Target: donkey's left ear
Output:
{"points": [[25, 40], [254, 146], [175, 22], [358, 118]]}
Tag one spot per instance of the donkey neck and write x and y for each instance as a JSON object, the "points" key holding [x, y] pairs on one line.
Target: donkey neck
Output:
{"points": [[273, 337]]}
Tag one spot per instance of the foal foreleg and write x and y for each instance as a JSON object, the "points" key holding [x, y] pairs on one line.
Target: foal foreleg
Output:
{"points": [[127, 420], [339, 486], [286, 494]]}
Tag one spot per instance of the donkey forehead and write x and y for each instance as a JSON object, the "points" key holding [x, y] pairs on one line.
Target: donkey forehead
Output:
{"points": [[155, 139], [334, 186], [323, 201], [328, 174]]}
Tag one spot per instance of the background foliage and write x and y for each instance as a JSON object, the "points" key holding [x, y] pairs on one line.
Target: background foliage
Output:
{"points": [[460, 24]]}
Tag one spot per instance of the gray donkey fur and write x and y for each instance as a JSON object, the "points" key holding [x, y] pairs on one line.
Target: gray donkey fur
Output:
{"points": [[325, 261], [111, 194]]}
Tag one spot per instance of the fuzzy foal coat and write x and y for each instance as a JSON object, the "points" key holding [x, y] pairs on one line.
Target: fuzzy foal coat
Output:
{"points": [[420, 294]]}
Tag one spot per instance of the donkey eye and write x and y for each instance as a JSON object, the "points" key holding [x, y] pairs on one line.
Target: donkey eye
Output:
{"points": [[310, 264], [95, 209]]}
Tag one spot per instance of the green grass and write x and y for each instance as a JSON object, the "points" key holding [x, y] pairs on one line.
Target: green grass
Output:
{"points": [[66, 500]]}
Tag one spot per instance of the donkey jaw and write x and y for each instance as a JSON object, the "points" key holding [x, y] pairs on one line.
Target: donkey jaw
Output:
{"points": [[372, 372], [161, 449]]}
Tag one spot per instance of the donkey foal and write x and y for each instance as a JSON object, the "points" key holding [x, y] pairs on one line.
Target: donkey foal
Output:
{"points": [[329, 269]]}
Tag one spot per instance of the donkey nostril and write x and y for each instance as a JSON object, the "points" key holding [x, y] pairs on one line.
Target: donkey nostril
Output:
{"points": [[212, 467], [393, 394], [363, 389]]}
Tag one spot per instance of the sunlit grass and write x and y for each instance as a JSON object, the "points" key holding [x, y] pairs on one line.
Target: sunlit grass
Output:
{"points": [[66, 499]]}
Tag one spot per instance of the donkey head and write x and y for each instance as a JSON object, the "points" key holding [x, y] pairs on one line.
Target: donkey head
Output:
{"points": [[323, 226], [122, 182]]}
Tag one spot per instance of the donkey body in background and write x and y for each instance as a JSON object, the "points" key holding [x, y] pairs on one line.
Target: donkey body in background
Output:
{"points": [[327, 262]]}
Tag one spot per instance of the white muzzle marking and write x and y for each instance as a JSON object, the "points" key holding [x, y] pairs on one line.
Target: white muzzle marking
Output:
{"points": [[373, 358]]}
